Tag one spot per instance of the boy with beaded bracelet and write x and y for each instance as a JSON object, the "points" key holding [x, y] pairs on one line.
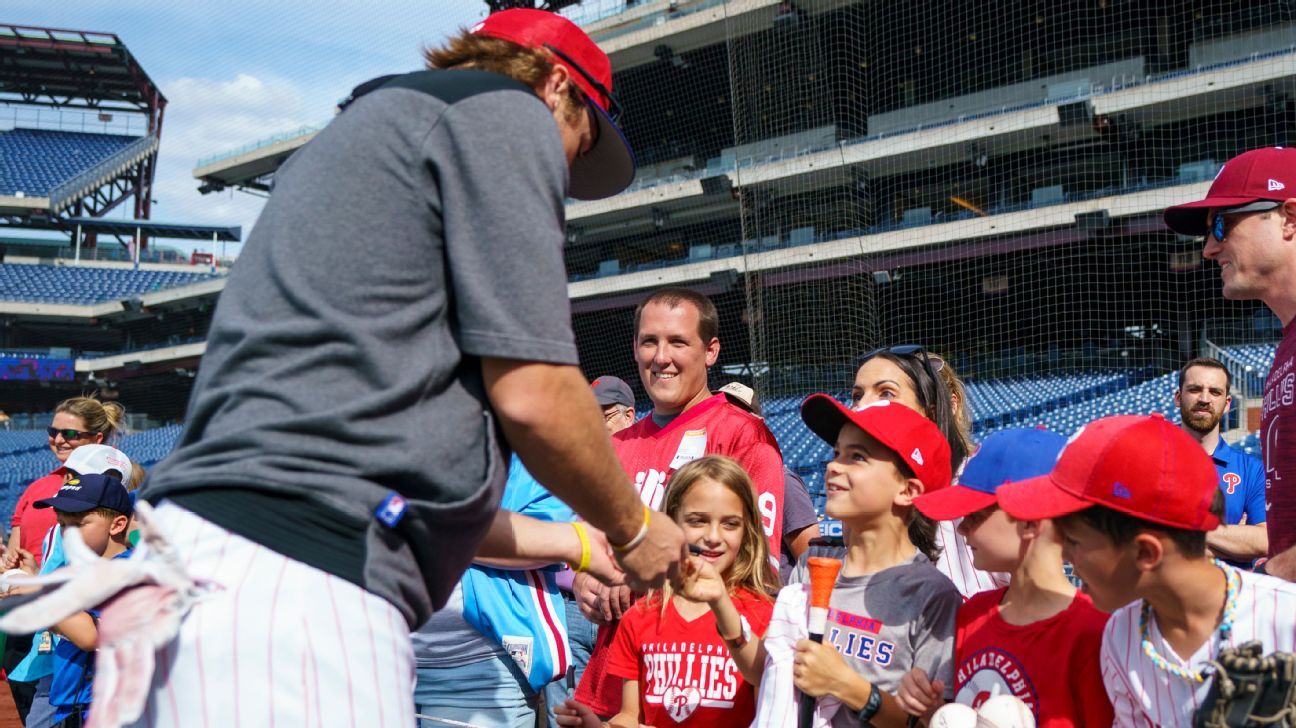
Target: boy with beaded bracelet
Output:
{"points": [[1134, 498]]}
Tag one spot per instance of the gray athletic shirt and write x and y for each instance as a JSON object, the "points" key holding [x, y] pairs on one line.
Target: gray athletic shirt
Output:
{"points": [[887, 623], [421, 230]]}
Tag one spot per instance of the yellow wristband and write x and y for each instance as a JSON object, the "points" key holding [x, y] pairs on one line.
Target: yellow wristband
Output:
{"points": [[639, 537], [585, 547]]}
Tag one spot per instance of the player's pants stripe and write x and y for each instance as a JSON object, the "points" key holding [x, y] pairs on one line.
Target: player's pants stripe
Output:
{"points": [[274, 651]]}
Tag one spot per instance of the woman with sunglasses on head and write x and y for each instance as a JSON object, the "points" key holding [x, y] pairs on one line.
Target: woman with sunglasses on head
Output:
{"points": [[77, 421], [926, 383]]}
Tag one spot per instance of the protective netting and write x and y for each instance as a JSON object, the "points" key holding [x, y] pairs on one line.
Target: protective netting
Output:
{"points": [[982, 178]]}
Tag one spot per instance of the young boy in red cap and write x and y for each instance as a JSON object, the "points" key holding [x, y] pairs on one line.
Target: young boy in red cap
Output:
{"points": [[891, 610], [1135, 497], [1015, 640]]}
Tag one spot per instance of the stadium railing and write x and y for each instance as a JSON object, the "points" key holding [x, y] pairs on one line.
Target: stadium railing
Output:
{"points": [[65, 193]]}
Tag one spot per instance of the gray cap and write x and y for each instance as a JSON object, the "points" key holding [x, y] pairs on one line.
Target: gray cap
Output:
{"points": [[612, 390]]}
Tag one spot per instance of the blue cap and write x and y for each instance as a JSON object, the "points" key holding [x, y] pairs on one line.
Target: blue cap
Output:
{"points": [[1006, 456], [87, 492]]}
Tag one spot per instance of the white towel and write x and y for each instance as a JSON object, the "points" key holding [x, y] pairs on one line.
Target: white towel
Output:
{"points": [[778, 698]]}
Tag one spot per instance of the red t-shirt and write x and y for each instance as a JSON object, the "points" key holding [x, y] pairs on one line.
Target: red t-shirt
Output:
{"points": [[685, 673], [36, 522], [1052, 665], [1278, 445], [650, 455]]}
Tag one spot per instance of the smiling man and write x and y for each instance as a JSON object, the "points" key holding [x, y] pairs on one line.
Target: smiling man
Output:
{"points": [[1203, 399], [677, 339], [1248, 220]]}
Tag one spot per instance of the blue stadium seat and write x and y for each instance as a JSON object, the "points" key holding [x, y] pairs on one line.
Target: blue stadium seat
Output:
{"points": [[34, 161], [85, 286], [25, 456]]}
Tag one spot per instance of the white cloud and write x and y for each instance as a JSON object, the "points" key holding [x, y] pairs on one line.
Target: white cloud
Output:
{"points": [[207, 116]]}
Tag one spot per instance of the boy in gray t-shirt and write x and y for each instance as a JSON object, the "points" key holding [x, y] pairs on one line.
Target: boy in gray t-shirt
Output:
{"points": [[891, 621], [891, 610]]}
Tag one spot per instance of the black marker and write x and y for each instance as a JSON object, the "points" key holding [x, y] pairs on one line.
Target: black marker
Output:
{"points": [[695, 549]]}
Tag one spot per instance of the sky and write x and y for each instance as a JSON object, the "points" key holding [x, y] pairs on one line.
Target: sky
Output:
{"points": [[235, 71]]}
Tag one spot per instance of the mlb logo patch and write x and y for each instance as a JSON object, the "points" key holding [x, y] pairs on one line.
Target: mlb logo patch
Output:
{"points": [[1120, 491], [391, 510]]}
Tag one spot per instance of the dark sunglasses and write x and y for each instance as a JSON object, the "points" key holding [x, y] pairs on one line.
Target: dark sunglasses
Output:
{"points": [[611, 105], [930, 362], [69, 434], [1217, 228]]}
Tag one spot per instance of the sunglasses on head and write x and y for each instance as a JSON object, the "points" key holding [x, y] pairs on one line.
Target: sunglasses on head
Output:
{"points": [[1217, 229], [69, 434], [611, 105], [930, 362]]}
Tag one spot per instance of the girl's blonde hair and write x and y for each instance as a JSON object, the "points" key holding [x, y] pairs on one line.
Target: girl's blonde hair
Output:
{"points": [[751, 570], [107, 418]]}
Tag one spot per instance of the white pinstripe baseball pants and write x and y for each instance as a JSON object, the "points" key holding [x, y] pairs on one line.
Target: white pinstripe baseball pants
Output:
{"points": [[283, 644]]}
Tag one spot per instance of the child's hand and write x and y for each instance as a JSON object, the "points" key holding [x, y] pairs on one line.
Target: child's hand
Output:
{"points": [[577, 714], [700, 581], [24, 560], [919, 696], [818, 670]]}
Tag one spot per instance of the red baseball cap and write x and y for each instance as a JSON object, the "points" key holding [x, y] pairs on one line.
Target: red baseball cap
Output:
{"points": [[916, 439], [1140, 465], [609, 167], [1260, 174]]}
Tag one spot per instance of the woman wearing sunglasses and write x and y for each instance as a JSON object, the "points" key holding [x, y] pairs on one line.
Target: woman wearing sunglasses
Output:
{"points": [[922, 381], [77, 421]]}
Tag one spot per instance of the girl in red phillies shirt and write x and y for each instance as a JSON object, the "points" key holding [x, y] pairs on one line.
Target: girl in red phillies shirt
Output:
{"points": [[676, 667]]}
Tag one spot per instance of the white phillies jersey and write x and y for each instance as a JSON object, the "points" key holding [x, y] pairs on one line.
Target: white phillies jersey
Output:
{"points": [[955, 562], [1144, 695]]}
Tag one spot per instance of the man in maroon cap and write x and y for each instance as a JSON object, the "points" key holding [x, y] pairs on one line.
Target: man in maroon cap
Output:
{"points": [[1248, 219]]}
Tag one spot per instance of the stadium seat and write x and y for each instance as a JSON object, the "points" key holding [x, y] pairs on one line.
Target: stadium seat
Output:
{"points": [[83, 285], [38, 160]]}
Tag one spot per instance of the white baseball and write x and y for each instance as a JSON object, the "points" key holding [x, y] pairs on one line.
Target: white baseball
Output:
{"points": [[954, 715], [1005, 711]]}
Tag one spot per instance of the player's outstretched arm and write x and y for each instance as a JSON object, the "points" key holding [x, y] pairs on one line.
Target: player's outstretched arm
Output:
{"points": [[549, 415], [517, 541]]}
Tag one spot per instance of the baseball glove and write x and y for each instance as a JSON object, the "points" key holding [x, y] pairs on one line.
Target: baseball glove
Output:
{"points": [[1250, 690]]}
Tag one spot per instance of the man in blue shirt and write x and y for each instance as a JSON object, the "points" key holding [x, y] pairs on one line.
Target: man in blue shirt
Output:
{"points": [[1203, 399]]}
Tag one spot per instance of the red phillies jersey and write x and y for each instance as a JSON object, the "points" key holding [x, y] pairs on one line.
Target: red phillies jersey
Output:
{"points": [[1052, 665], [650, 455], [685, 673], [1278, 445], [36, 522]]}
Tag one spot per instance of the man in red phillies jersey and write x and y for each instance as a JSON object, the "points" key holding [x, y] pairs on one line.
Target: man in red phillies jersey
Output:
{"points": [[1248, 219], [676, 340]]}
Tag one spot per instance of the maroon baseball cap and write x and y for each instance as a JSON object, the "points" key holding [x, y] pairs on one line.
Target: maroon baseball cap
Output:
{"points": [[1260, 174], [916, 439], [609, 167], [1140, 465]]}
